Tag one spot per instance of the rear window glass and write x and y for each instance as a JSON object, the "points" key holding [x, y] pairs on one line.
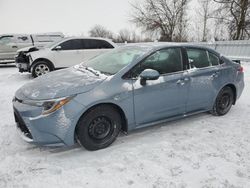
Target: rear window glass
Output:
{"points": [[214, 59], [198, 58], [96, 44]]}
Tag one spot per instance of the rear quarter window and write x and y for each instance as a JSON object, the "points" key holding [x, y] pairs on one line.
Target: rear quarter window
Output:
{"points": [[214, 59]]}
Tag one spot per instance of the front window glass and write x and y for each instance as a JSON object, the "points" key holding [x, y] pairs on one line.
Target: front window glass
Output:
{"points": [[164, 61], [74, 44], [50, 45], [113, 61]]}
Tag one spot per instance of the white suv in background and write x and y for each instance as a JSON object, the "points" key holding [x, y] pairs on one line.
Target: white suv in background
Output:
{"points": [[65, 53]]}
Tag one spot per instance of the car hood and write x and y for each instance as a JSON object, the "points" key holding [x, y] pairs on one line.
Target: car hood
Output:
{"points": [[59, 84], [28, 49]]}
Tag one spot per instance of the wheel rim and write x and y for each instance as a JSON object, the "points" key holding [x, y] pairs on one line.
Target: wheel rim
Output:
{"points": [[41, 69], [224, 102], [100, 128]]}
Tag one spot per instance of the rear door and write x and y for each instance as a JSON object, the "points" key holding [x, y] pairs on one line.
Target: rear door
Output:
{"points": [[94, 47], [204, 76], [165, 97]]}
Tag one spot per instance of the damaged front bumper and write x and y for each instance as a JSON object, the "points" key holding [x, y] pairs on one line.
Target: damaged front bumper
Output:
{"points": [[55, 129], [22, 61]]}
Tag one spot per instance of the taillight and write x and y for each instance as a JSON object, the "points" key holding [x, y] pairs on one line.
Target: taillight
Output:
{"points": [[240, 69]]}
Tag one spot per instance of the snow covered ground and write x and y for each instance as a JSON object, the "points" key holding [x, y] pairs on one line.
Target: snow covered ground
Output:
{"points": [[199, 151]]}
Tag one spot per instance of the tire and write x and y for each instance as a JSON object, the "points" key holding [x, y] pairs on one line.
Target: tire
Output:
{"points": [[224, 102], [40, 68], [98, 128]]}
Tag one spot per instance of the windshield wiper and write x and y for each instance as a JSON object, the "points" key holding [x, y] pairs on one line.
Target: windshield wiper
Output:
{"points": [[107, 73], [92, 71], [95, 72]]}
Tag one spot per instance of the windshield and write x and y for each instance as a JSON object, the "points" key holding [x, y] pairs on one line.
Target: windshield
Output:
{"points": [[54, 43], [113, 61]]}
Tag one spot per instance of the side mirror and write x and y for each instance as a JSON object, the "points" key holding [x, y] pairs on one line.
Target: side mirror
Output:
{"points": [[149, 74], [57, 48]]}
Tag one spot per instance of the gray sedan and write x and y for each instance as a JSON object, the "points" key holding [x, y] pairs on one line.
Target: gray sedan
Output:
{"points": [[127, 88]]}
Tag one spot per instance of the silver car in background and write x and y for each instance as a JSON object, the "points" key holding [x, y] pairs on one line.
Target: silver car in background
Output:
{"points": [[127, 88], [11, 43]]}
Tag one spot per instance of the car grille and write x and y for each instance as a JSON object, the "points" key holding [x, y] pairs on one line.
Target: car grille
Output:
{"points": [[21, 125], [22, 58]]}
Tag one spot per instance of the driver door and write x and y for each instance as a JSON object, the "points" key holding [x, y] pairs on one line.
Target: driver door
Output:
{"points": [[165, 97], [69, 53]]}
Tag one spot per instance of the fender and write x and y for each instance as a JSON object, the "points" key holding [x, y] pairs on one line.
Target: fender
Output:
{"points": [[41, 59]]}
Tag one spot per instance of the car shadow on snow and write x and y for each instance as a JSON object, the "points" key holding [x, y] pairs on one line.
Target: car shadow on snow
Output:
{"points": [[170, 125], [133, 136], [7, 65]]}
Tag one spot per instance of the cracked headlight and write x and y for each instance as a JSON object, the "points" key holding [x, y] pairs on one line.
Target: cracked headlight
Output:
{"points": [[49, 106]]}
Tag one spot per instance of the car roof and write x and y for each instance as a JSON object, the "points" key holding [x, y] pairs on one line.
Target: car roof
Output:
{"points": [[95, 38], [160, 45]]}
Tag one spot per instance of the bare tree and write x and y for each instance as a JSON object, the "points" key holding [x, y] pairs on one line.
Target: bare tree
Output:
{"points": [[236, 15], [182, 23], [100, 31], [205, 14], [126, 35], [165, 17]]}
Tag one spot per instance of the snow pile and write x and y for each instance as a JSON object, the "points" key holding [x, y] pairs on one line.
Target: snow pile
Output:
{"points": [[199, 151]]}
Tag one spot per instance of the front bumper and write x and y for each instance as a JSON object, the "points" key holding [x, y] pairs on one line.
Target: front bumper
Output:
{"points": [[55, 129], [240, 85], [22, 67], [22, 62]]}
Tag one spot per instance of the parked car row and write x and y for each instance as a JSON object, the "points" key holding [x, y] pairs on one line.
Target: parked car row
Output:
{"points": [[64, 53], [10, 43], [127, 88]]}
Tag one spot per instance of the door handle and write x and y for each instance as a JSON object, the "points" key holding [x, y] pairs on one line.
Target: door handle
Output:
{"points": [[214, 75], [180, 82], [14, 46]]}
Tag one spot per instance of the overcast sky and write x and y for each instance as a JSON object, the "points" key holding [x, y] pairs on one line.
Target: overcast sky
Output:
{"points": [[72, 17]]}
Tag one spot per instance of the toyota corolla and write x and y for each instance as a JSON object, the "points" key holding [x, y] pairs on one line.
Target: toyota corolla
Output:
{"points": [[127, 88]]}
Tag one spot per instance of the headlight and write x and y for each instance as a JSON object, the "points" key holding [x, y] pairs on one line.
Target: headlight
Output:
{"points": [[49, 106]]}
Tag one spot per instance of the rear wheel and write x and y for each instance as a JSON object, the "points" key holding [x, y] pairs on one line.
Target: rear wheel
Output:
{"points": [[224, 101], [40, 68], [99, 127]]}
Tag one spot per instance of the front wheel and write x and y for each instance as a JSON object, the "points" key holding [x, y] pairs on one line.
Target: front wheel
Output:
{"points": [[224, 101], [40, 68], [99, 127]]}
